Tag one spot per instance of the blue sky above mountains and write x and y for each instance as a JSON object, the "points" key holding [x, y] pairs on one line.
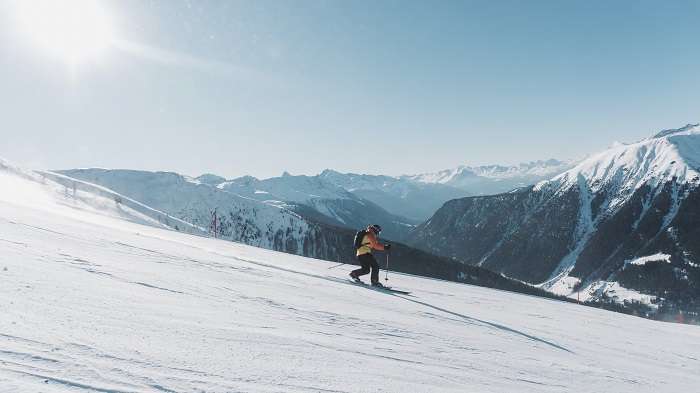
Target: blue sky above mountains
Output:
{"points": [[388, 87]]}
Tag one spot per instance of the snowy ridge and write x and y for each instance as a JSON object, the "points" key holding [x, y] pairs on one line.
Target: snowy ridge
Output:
{"points": [[301, 189], [687, 128], [95, 303], [497, 172], [356, 182], [667, 157]]}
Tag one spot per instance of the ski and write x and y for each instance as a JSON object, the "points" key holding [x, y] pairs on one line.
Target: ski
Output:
{"points": [[359, 282]]}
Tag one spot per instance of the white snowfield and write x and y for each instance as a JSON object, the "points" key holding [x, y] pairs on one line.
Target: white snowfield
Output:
{"points": [[93, 300]]}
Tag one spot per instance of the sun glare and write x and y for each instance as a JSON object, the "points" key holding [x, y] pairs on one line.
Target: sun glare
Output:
{"points": [[74, 31]]}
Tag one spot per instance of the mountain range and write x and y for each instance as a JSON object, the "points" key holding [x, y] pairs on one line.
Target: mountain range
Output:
{"points": [[417, 197], [617, 228], [337, 199], [168, 201]]}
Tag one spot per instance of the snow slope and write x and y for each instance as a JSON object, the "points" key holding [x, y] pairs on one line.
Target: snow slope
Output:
{"points": [[91, 302]]}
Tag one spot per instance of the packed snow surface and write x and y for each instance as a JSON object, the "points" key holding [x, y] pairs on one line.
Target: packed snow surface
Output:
{"points": [[93, 300]]}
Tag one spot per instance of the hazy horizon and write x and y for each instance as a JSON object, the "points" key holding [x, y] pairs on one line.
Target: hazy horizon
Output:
{"points": [[194, 175]]}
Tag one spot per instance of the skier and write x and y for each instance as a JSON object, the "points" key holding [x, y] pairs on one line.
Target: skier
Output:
{"points": [[367, 242]]}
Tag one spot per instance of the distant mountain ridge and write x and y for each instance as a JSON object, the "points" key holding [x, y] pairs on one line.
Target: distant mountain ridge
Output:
{"points": [[419, 196], [407, 198], [325, 200], [493, 179], [398, 203]]}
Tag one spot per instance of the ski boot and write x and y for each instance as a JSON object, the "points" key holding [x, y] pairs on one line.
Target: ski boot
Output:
{"points": [[355, 278]]}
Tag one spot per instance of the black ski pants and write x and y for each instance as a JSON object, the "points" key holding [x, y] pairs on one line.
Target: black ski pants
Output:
{"points": [[367, 261]]}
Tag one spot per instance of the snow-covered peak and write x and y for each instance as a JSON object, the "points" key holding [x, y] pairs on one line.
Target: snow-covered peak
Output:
{"points": [[329, 173], [354, 181], [536, 168], [244, 181], [670, 156], [688, 128], [210, 179]]}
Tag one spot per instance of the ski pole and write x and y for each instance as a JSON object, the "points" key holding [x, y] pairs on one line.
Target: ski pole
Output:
{"points": [[338, 265], [386, 276]]}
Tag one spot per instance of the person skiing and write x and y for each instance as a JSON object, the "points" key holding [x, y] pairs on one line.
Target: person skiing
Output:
{"points": [[367, 242]]}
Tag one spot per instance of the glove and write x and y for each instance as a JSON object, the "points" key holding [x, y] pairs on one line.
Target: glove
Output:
{"points": [[387, 247]]}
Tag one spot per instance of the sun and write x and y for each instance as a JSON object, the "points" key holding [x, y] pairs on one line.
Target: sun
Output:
{"points": [[74, 31]]}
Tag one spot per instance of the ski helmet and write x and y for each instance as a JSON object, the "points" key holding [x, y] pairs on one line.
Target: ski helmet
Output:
{"points": [[376, 228]]}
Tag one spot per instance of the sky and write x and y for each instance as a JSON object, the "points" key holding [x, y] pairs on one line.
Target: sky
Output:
{"points": [[383, 87]]}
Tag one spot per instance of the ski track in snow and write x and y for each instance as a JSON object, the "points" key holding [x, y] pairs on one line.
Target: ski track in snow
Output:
{"points": [[91, 303]]}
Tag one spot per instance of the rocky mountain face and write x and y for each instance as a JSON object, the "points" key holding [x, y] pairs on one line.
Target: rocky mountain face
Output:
{"points": [[622, 226]]}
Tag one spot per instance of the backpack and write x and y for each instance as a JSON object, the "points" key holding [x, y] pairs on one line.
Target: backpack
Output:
{"points": [[359, 236]]}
